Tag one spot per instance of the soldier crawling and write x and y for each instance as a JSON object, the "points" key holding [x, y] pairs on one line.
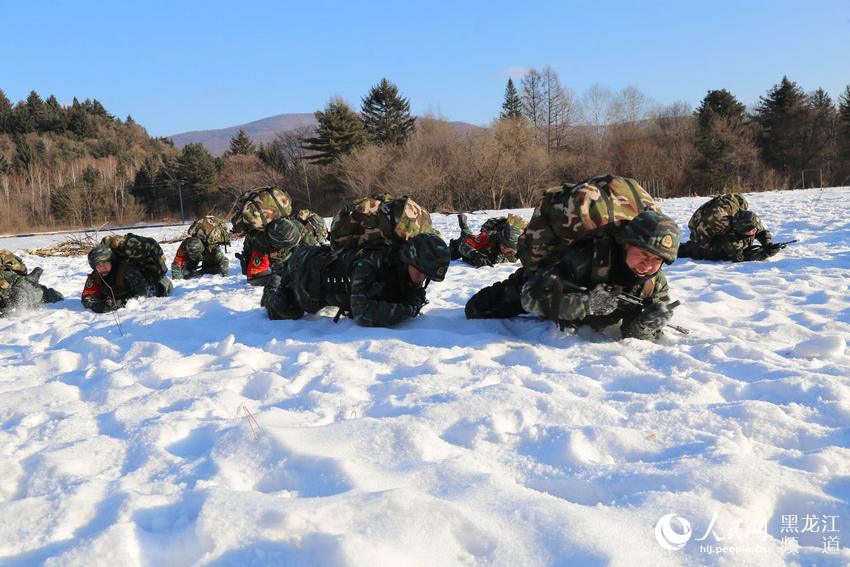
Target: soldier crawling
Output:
{"points": [[124, 266], [495, 243], [587, 285], [378, 286], [19, 287], [724, 229]]}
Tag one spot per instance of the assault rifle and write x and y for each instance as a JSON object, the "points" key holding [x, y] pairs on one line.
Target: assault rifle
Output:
{"points": [[759, 252], [635, 300]]}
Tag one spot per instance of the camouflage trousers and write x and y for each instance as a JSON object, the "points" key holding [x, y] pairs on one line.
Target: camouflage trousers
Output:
{"points": [[500, 300], [26, 293]]}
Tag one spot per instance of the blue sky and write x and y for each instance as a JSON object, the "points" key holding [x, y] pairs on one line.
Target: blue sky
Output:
{"points": [[186, 65]]}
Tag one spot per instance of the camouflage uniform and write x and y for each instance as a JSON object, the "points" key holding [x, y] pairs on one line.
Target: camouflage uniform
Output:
{"points": [[138, 270], [720, 237], [263, 254], [566, 290], [485, 248], [569, 213], [193, 258], [372, 285], [19, 288], [315, 225]]}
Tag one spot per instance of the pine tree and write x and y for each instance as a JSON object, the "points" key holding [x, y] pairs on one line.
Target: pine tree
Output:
{"points": [[5, 113], [386, 114], [842, 139], [780, 118], [196, 170], [512, 105], [721, 131], [340, 130], [241, 145]]}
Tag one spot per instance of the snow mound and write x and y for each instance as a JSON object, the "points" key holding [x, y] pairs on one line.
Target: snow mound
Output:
{"points": [[827, 346]]}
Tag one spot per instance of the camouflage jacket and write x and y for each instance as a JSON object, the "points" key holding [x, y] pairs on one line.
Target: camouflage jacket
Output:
{"points": [[315, 225], [485, 243], [371, 285], [262, 258], [103, 294], [600, 261], [213, 262], [730, 245]]}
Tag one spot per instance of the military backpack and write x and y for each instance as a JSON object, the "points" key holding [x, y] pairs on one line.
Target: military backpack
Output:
{"points": [[142, 251], [12, 263], [378, 219], [571, 213], [211, 230], [256, 208], [715, 217]]}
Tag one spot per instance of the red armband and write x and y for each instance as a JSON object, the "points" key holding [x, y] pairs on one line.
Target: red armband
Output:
{"points": [[479, 242], [180, 258], [258, 264], [92, 287]]}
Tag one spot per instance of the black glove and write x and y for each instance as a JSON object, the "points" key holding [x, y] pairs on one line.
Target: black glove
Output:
{"points": [[479, 260], [772, 249], [271, 288], [417, 301], [112, 304], [547, 290], [603, 300], [757, 253], [655, 316]]}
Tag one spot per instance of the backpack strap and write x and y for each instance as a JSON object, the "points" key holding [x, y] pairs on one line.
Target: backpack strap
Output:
{"points": [[638, 200], [600, 268]]}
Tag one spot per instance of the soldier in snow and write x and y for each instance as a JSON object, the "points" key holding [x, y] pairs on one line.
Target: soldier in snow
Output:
{"points": [[495, 243], [19, 287], [378, 286]]}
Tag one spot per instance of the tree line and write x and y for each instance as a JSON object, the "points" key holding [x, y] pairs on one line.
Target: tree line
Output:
{"points": [[79, 165]]}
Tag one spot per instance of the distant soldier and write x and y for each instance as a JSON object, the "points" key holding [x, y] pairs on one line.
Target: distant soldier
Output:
{"points": [[495, 243], [614, 277], [378, 286], [19, 288], [201, 252], [124, 266], [266, 251], [724, 229], [315, 224]]}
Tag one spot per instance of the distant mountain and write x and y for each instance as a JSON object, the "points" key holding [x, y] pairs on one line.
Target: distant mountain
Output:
{"points": [[264, 130], [260, 131]]}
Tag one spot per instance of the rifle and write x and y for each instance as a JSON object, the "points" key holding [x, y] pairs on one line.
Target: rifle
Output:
{"points": [[771, 247], [635, 300]]}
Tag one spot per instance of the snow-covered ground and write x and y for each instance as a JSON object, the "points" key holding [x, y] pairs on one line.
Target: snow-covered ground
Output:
{"points": [[192, 430]]}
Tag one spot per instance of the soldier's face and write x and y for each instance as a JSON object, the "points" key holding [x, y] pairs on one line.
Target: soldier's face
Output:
{"points": [[751, 232], [507, 251], [104, 268], [642, 262], [417, 278]]}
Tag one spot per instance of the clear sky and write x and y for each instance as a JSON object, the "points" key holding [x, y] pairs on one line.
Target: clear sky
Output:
{"points": [[186, 65]]}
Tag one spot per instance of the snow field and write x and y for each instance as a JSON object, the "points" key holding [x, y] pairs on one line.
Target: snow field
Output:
{"points": [[129, 440]]}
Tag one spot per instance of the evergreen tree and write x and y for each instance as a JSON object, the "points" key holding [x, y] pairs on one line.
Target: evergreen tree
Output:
{"points": [[5, 167], [340, 130], [780, 118], [241, 145], [818, 140], [512, 106], [36, 111], [79, 121], [721, 131], [196, 171], [386, 114], [5, 113], [841, 175], [55, 119]]}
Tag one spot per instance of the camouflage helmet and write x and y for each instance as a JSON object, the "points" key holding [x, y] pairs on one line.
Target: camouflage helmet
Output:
{"points": [[284, 233], [100, 254], [508, 236], [744, 221], [654, 232], [194, 249], [428, 253]]}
